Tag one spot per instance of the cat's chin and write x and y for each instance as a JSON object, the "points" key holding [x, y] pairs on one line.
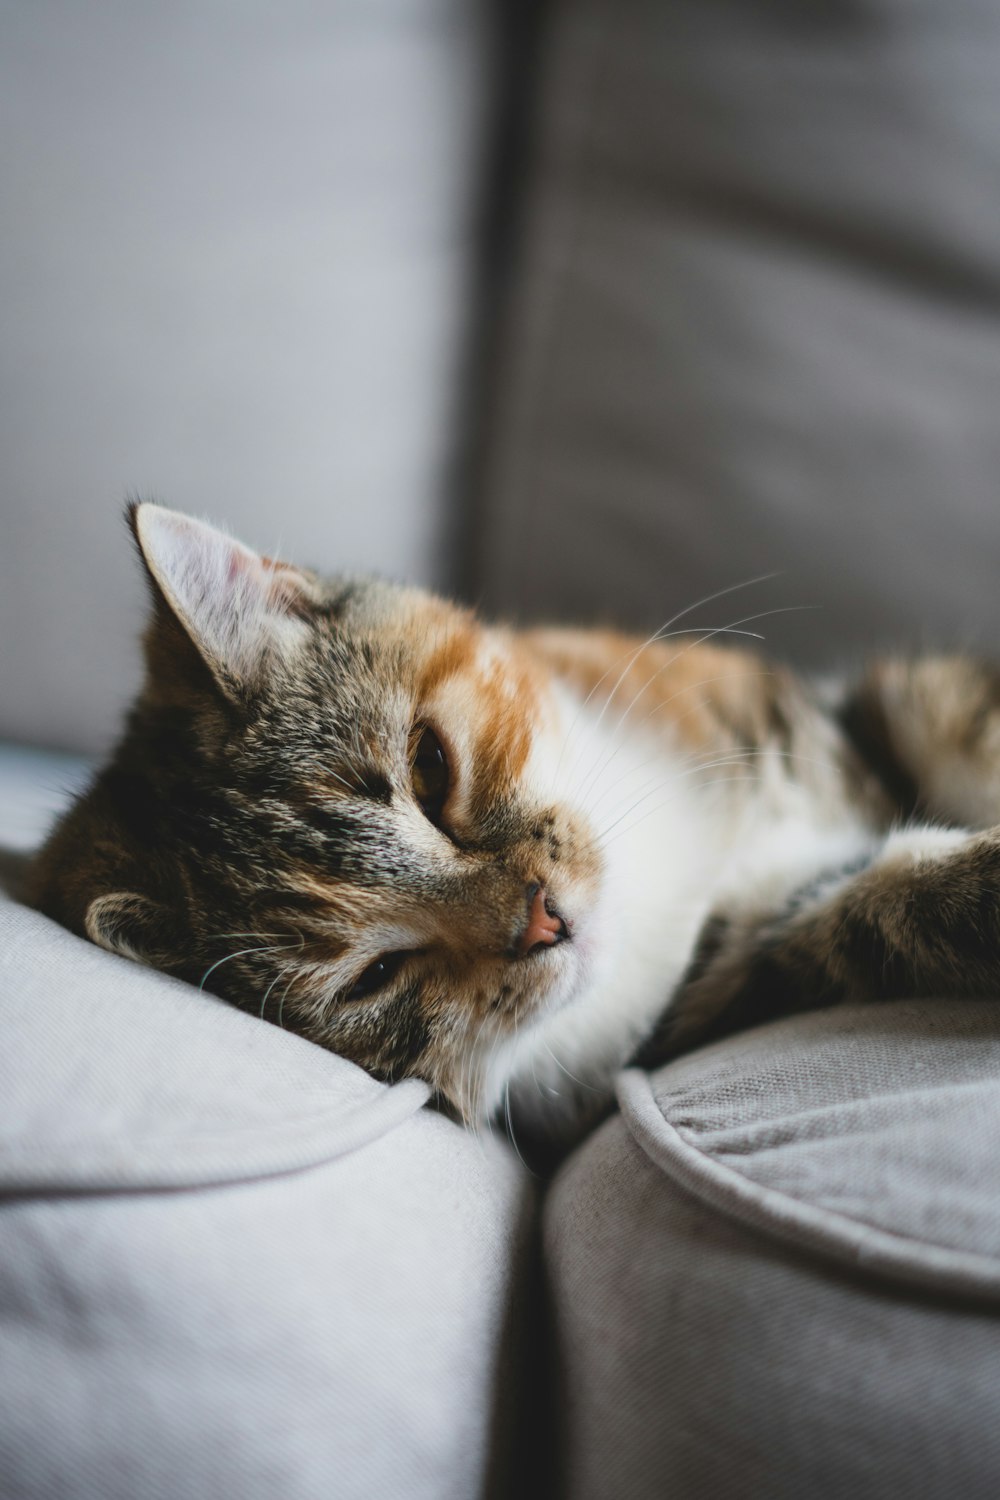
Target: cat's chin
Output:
{"points": [[567, 975]]}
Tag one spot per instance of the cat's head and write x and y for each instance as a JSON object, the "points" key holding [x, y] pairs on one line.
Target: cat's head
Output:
{"points": [[336, 806]]}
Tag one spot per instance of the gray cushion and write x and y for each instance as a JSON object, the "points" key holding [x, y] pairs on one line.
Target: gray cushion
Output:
{"points": [[756, 324], [778, 1271], [231, 1263]]}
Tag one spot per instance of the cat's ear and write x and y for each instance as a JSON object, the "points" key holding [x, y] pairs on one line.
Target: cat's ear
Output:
{"points": [[240, 610], [134, 926]]}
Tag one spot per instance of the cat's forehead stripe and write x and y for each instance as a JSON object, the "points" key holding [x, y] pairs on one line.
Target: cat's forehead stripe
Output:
{"points": [[451, 650], [472, 673]]}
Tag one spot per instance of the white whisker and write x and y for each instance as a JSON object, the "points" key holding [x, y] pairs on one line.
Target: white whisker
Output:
{"points": [[280, 974], [651, 812], [270, 948], [702, 638], [732, 588], [658, 756], [563, 1069], [510, 1128]]}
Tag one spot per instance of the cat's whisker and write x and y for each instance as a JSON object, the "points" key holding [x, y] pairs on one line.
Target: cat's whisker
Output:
{"points": [[241, 953], [280, 975], [674, 777], [765, 751], [659, 708], [651, 812], [663, 633], [657, 638], [660, 633], [591, 807], [534, 1078], [284, 997], [707, 635], [563, 1068], [337, 777], [509, 1119], [748, 757], [737, 758], [745, 757], [498, 1036]]}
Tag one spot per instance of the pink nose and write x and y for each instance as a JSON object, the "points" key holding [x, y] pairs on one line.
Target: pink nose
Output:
{"points": [[544, 926]]}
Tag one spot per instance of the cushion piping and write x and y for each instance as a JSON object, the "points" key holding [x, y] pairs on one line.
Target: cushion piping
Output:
{"points": [[213, 1157], [863, 1247]]}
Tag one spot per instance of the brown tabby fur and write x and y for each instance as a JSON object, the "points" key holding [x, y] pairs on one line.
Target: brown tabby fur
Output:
{"points": [[256, 830]]}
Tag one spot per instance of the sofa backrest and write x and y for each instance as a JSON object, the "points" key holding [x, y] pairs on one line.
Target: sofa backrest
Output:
{"points": [[755, 327], [236, 260]]}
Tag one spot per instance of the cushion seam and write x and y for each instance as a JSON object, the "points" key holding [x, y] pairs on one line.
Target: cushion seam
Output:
{"points": [[236, 1156], [865, 1247]]}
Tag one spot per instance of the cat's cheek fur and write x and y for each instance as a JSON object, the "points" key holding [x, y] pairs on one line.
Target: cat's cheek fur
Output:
{"points": [[635, 911]]}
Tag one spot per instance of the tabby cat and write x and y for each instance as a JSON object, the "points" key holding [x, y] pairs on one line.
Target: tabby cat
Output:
{"points": [[508, 862]]}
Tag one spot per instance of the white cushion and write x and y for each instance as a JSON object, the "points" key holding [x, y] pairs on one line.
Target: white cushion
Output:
{"points": [[232, 1263]]}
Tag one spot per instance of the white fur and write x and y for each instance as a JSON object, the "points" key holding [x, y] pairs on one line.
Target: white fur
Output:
{"points": [[662, 848], [679, 840]]}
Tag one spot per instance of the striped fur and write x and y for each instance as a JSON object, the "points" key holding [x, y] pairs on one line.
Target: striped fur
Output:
{"points": [[716, 842]]}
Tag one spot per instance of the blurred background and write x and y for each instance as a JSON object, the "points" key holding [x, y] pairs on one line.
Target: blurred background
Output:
{"points": [[577, 310]]}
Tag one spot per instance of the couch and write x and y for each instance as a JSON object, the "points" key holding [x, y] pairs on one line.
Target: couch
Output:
{"points": [[586, 310]]}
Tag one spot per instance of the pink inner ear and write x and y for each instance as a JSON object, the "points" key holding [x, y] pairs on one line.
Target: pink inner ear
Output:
{"points": [[234, 603], [238, 565]]}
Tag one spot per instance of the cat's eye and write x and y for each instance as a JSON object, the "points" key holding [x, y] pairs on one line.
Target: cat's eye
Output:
{"points": [[429, 773], [376, 976]]}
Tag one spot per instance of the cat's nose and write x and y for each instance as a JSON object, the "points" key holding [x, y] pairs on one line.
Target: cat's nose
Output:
{"points": [[544, 925]]}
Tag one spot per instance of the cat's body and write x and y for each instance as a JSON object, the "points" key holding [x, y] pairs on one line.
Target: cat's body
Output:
{"points": [[510, 862]]}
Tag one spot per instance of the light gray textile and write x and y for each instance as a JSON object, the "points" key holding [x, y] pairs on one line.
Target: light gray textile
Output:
{"points": [[232, 1264], [35, 786], [778, 1271], [756, 326], [237, 252]]}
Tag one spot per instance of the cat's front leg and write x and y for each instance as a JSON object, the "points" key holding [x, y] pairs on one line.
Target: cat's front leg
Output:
{"points": [[922, 919]]}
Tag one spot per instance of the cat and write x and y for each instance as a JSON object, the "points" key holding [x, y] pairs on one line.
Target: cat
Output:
{"points": [[509, 862]]}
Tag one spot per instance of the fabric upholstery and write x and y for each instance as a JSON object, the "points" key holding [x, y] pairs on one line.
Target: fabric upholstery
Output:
{"points": [[755, 326], [239, 249], [231, 1263], [778, 1271]]}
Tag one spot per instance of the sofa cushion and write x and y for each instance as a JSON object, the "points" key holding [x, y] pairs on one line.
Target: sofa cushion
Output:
{"points": [[755, 327], [35, 787], [778, 1271], [232, 1263]]}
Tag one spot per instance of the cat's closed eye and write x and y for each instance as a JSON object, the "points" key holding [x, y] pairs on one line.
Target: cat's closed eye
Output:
{"points": [[377, 975], [430, 774]]}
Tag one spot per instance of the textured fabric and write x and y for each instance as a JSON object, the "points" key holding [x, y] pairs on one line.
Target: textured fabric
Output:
{"points": [[778, 1272], [238, 250], [756, 325], [233, 1264]]}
